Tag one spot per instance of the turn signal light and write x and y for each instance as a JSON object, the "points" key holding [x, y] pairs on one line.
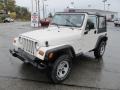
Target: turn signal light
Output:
{"points": [[14, 41], [50, 55]]}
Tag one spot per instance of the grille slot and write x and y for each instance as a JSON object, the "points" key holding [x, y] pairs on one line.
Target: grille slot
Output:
{"points": [[27, 45]]}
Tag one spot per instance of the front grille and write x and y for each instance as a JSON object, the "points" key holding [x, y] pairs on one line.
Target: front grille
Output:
{"points": [[27, 45]]}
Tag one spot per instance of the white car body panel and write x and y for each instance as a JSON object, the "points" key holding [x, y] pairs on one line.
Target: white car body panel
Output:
{"points": [[57, 36]]}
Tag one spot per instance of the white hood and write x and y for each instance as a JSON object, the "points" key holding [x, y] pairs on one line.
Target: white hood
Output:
{"points": [[54, 35]]}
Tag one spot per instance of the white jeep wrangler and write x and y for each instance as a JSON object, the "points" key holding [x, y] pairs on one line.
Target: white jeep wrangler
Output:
{"points": [[69, 35]]}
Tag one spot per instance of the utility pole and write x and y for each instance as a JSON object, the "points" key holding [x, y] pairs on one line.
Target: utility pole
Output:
{"points": [[54, 11], [32, 5], [108, 6], [44, 8], [104, 1], [72, 4], [36, 5], [39, 9]]}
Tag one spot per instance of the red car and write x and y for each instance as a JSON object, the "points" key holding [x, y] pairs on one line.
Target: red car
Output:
{"points": [[45, 22]]}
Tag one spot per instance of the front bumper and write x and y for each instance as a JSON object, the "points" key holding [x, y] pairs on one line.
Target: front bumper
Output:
{"points": [[26, 57]]}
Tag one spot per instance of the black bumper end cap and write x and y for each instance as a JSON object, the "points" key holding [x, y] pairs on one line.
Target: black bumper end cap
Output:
{"points": [[13, 52]]}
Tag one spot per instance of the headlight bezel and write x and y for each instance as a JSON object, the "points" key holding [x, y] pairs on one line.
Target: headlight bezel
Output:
{"points": [[37, 46]]}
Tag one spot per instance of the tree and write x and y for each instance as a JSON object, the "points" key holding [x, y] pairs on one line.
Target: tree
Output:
{"points": [[15, 11], [1, 5], [22, 13], [1, 1], [13, 15], [10, 5], [50, 15], [7, 5]]}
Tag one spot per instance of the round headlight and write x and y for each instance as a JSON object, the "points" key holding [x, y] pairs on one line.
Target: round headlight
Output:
{"points": [[14, 40], [37, 46]]}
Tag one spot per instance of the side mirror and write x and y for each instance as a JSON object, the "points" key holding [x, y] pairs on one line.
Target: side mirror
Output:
{"points": [[90, 26]]}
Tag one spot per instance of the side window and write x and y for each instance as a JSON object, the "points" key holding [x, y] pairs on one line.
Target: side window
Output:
{"points": [[92, 20], [102, 25], [102, 22]]}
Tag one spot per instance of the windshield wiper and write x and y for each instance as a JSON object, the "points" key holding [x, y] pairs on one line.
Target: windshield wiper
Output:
{"points": [[56, 24], [68, 26], [71, 22]]}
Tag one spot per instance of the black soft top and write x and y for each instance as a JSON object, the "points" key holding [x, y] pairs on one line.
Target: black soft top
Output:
{"points": [[97, 14]]}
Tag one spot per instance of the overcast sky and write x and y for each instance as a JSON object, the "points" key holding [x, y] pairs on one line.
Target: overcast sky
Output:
{"points": [[59, 5]]}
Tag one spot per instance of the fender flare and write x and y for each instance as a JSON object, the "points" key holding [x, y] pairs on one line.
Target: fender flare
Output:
{"points": [[61, 48], [100, 38]]}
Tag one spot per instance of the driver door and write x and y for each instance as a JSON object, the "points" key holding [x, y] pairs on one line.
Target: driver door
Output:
{"points": [[90, 33]]}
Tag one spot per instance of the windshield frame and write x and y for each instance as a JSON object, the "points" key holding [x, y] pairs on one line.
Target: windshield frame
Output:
{"points": [[71, 22]]}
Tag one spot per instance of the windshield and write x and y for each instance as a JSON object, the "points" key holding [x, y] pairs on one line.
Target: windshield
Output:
{"points": [[73, 20]]}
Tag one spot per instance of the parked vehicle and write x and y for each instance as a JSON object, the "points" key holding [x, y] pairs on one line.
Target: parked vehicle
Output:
{"points": [[117, 22], [45, 23], [55, 48], [8, 20]]}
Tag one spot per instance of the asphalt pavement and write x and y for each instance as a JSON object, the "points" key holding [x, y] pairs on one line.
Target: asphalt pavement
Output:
{"points": [[88, 73]]}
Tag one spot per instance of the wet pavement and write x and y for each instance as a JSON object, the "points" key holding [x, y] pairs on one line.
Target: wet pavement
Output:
{"points": [[88, 73]]}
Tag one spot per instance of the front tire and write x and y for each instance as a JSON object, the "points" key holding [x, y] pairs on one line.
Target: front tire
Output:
{"points": [[61, 69], [100, 50]]}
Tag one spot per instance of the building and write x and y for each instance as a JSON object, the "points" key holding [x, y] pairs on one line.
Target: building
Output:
{"points": [[110, 15]]}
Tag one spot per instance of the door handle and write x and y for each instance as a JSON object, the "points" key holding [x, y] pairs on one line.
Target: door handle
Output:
{"points": [[86, 32], [95, 32]]}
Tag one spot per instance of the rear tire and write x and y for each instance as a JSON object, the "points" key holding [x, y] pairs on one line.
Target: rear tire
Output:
{"points": [[61, 69], [99, 51]]}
